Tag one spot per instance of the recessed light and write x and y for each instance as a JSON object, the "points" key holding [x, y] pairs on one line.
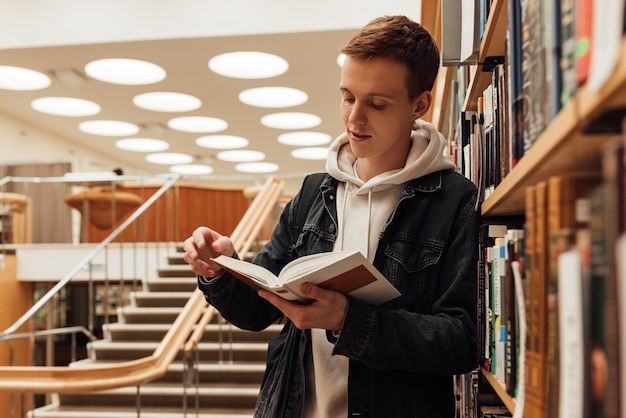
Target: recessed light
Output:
{"points": [[125, 71], [169, 158], [310, 153], [258, 167], [248, 65], [273, 97], [191, 169], [304, 139], [108, 127], [197, 124], [65, 106], [164, 101], [291, 120], [240, 156], [222, 142], [142, 144], [22, 79], [341, 58]]}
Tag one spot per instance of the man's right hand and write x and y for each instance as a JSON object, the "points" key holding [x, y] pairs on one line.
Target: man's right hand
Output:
{"points": [[203, 245]]}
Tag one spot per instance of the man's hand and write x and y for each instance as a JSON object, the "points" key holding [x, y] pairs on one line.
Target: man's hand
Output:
{"points": [[327, 310], [203, 245]]}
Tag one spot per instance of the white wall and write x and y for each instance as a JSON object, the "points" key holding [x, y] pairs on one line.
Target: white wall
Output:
{"points": [[22, 143], [28, 23]]}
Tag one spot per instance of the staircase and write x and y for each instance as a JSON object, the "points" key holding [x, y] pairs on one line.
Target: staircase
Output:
{"points": [[221, 379]]}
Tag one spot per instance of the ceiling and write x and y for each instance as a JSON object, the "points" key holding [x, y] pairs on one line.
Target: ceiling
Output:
{"points": [[313, 68]]}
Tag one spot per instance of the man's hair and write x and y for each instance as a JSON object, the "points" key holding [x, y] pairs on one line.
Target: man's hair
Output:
{"points": [[403, 40]]}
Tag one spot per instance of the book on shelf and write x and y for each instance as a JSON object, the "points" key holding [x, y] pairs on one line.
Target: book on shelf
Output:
{"points": [[567, 64], [582, 34], [553, 59], [574, 391], [348, 272], [621, 282], [605, 225], [568, 212], [536, 284]]}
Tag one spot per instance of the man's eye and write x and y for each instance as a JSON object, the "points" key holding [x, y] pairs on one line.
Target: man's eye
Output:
{"points": [[377, 106]]}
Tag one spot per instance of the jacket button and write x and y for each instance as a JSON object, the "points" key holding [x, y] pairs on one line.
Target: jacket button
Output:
{"points": [[331, 228], [295, 394]]}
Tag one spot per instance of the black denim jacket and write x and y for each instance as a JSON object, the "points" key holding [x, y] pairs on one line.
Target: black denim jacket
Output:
{"points": [[403, 353]]}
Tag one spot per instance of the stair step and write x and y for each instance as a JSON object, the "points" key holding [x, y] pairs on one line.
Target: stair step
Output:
{"points": [[176, 259], [172, 284], [159, 299], [176, 270], [213, 332], [135, 315], [217, 373], [105, 350], [131, 412], [161, 395]]}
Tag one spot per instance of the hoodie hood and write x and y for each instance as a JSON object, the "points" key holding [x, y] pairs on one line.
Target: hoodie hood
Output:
{"points": [[425, 157]]}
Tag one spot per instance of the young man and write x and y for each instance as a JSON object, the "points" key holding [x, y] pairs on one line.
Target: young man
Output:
{"points": [[409, 213]]}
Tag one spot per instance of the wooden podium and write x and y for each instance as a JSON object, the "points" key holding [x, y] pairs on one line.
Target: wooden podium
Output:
{"points": [[16, 221]]}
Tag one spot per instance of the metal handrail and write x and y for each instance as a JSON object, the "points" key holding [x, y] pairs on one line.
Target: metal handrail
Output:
{"points": [[170, 180], [55, 331]]}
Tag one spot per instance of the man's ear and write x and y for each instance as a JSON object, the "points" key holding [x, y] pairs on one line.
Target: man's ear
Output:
{"points": [[422, 103]]}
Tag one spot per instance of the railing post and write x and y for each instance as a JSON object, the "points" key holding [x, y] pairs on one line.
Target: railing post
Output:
{"points": [[138, 401]]}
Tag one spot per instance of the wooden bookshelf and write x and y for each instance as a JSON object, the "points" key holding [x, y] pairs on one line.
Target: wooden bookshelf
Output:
{"points": [[500, 389], [562, 147], [492, 44]]}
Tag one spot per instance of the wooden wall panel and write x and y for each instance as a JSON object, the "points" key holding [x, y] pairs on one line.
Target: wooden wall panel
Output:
{"points": [[177, 213]]}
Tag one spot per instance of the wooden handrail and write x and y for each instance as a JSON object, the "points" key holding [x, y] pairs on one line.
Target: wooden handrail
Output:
{"points": [[185, 332], [196, 336], [48, 379]]}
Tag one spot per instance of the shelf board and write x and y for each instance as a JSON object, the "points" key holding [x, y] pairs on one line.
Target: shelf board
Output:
{"points": [[492, 44], [500, 389], [562, 148]]}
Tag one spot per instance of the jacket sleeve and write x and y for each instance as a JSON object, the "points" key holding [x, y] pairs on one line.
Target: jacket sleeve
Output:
{"points": [[237, 302]]}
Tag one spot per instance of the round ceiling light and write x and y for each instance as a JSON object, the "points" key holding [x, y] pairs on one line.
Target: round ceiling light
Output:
{"points": [[310, 153], [291, 120], [257, 167], [22, 79], [163, 101], [142, 144], [191, 169], [341, 58], [304, 139], [125, 71], [65, 106], [169, 158], [222, 142], [197, 124], [273, 97], [248, 65], [108, 127], [240, 156]]}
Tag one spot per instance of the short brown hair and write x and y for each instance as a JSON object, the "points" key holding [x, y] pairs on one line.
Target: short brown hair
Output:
{"points": [[403, 40]]}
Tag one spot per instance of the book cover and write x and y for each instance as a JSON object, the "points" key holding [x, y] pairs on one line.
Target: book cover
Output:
{"points": [[347, 272], [535, 385], [568, 51], [567, 212], [572, 353]]}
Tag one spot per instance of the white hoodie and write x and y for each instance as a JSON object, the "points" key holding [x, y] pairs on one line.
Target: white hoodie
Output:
{"points": [[369, 205]]}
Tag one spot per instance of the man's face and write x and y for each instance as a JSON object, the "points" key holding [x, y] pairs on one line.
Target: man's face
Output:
{"points": [[376, 111]]}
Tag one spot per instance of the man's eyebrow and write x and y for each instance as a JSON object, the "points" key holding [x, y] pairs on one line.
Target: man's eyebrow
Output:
{"points": [[372, 94]]}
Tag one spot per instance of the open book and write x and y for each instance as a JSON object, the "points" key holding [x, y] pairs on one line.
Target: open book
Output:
{"points": [[347, 272]]}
